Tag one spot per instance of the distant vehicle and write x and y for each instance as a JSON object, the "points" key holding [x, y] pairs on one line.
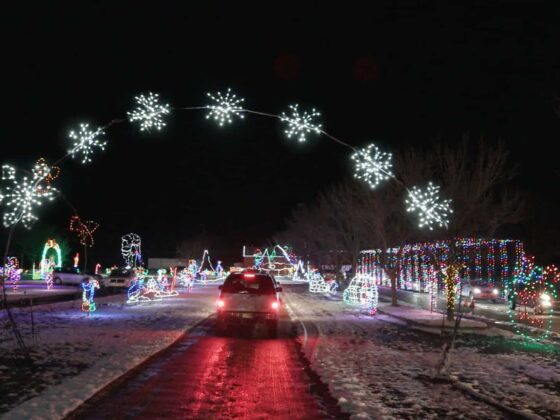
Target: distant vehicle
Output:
{"points": [[482, 290], [120, 278], [250, 295], [71, 275], [542, 301]]}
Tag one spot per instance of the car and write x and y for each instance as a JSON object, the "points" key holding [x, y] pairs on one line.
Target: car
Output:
{"points": [[120, 278], [482, 290], [251, 295], [71, 275]]}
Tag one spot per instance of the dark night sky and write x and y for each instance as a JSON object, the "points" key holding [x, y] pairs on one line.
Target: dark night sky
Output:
{"points": [[399, 72]]}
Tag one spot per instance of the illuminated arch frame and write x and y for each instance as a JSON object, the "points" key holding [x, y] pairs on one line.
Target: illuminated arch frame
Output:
{"points": [[51, 244]]}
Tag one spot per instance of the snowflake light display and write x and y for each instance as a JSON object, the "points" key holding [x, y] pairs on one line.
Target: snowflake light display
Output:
{"points": [[149, 112], [362, 292], [85, 141], [372, 165], [224, 107], [22, 196], [431, 209], [300, 124], [85, 230]]}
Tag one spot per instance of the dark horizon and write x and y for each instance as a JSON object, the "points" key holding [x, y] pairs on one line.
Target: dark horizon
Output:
{"points": [[486, 69]]}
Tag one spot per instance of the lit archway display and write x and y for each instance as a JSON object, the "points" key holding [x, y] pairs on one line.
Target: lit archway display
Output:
{"points": [[51, 244]]}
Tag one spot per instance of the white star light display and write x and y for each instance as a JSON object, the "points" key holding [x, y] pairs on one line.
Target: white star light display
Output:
{"points": [[301, 125], [85, 141], [431, 209], [149, 112], [224, 107], [372, 165], [22, 196]]}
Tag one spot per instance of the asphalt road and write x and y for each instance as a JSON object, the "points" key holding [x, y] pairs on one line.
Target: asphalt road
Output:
{"points": [[242, 374], [487, 309]]}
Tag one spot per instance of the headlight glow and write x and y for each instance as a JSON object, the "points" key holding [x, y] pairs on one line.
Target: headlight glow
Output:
{"points": [[495, 291], [476, 291]]}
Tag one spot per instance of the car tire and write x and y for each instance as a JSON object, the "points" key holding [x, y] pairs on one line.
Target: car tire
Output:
{"points": [[57, 281]]}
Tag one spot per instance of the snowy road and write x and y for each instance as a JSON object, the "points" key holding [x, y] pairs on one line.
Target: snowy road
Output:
{"points": [[242, 375]]}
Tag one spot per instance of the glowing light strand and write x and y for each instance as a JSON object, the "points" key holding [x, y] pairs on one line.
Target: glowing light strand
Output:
{"points": [[85, 142], [430, 208], [149, 112], [84, 230], [22, 196], [372, 165], [300, 125], [224, 107]]}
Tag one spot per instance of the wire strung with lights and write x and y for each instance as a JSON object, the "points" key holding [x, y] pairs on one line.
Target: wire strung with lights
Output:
{"points": [[22, 196], [300, 125], [431, 209], [372, 165], [149, 112], [224, 107], [86, 141]]}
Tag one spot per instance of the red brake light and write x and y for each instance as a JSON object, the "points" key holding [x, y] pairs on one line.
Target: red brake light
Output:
{"points": [[275, 305], [250, 276], [220, 303]]}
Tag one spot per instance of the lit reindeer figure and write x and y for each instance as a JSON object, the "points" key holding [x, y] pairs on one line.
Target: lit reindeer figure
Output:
{"points": [[130, 249]]}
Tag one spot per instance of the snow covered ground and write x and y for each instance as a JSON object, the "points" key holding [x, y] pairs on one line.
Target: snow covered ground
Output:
{"points": [[75, 355], [377, 367]]}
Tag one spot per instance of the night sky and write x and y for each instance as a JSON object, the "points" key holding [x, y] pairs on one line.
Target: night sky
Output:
{"points": [[398, 72]]}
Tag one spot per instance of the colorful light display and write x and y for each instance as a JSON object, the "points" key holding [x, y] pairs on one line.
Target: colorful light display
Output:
{"points": [[12, 271], [224, 107], [372, 165], [317, 283], [300, 125], [45, 262], [362, 292], [430, 208], [149, 112], [85, 142], [22, 196], [131, 244], [88, 294], [531, 295], [84, 230]]}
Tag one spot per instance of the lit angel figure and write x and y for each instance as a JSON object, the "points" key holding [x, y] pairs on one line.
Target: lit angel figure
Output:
{"points": [[22, 196], [372, 165], [149, 112], [300, 124], [224, 107], [431, 209]]}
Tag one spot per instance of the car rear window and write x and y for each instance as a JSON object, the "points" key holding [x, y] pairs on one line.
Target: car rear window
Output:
{"points": [[254, 284]]}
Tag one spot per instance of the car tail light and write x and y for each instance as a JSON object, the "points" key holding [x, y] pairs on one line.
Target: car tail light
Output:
{"points": [[249, 276], [275, 305], [220, 303]]}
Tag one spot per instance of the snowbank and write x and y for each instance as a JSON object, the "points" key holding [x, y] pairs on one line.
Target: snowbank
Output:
{"points": [[379, 370], [76, 355]]}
